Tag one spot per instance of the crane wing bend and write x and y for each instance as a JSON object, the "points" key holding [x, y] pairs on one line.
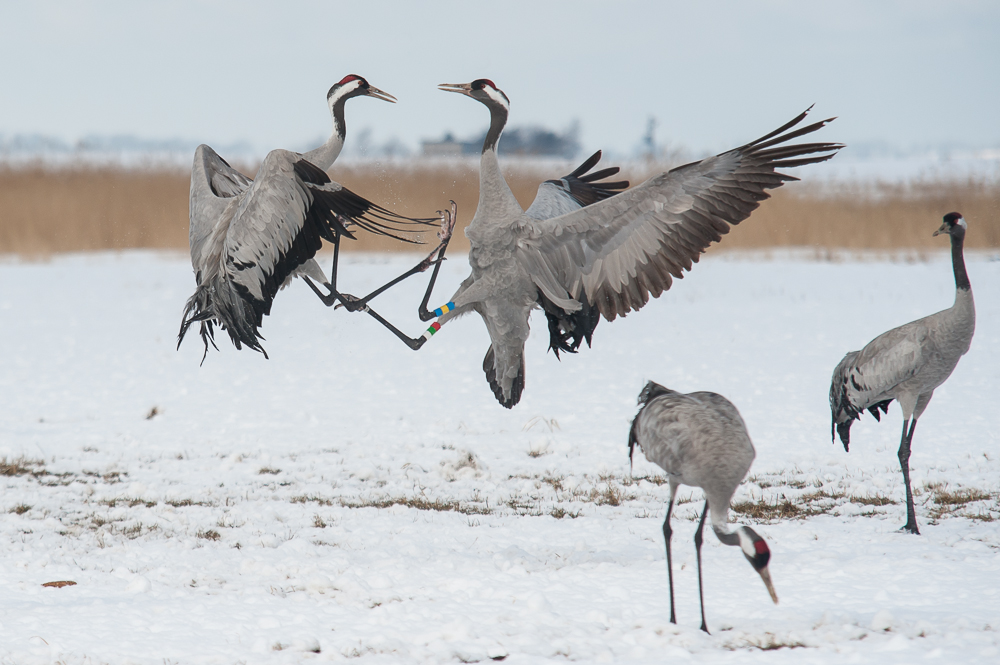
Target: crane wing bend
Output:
{"points": [[618, 251], [574, 191]]}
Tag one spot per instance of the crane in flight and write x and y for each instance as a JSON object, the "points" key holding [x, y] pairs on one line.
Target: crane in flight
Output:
{"points": [[250, 237], [602, 259]]}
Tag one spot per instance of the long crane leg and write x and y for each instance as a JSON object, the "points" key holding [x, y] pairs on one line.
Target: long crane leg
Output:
{"points": [[697, 549], [667, 532], [436, 257], [904, 464]]}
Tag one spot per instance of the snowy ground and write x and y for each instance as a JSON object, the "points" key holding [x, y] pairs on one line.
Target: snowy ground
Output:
{"points": [[350, 498]]}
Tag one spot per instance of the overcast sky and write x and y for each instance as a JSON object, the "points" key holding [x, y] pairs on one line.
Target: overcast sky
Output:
{"points": [[714, 74]]}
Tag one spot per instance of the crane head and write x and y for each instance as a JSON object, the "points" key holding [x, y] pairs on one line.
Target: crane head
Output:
{"points": [[756, 551], [353, 85], [953, 223], [482, 90]]}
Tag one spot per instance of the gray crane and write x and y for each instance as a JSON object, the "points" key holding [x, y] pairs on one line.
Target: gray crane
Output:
{"points": [[907, 364], [699, 440], [251, 237], [604, 259]]}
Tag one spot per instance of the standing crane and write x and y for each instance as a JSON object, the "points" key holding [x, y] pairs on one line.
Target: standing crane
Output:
{"points": [[907, 364], [249, 238], [604, 259], [700, 440]]}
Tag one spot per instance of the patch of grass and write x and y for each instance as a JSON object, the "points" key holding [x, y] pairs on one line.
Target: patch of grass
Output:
{"points": [[555, 483], [211, 534], [779, 508], [766, 511], [131, 503], [20, 509], [635, 480], [312, 499], [131, 532], [268, 470], [419, 503], [79, 208], [318, 522], [184, 503], [110, 477], [524, 506], [948, 502], [877, 500], [155, 411], [960, 497], [21, 466], [560, 513], [612, 495]]}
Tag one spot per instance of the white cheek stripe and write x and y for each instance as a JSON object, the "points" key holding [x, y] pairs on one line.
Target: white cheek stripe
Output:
{"points": [[746, 543], [496, 96], [345, 89]]}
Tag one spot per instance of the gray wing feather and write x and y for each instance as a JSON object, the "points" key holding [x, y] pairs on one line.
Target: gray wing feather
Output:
{"points": [[270, 217], [213, 185], [574, 190], [871, 375], [617, 252]]}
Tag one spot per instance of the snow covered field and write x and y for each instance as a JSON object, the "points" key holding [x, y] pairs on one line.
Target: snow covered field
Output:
{"points": [[350, 498]]}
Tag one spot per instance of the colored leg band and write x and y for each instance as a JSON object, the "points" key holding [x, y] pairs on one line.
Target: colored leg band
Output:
{"points": [[433, 329], [444, 309]]}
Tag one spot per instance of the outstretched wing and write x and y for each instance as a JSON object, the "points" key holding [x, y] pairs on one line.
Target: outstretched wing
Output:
{"points": [[574, 191], [617, 252]]}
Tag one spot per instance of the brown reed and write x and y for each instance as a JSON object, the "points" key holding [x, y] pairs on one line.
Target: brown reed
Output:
{"points": [[52, 210]]}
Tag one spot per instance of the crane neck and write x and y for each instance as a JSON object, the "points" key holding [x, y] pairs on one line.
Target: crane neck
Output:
{"points": [[498, 120], [958, 262], [726, 535], [494, 192], [325, 155]]}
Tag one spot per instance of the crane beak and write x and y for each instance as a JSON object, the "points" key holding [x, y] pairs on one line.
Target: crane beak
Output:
{"points": [[766, 576], [462, 88], [380, 94], [944, 229]]}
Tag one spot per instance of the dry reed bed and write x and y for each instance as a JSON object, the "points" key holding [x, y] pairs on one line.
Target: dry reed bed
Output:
{"points": [[44, 211]]}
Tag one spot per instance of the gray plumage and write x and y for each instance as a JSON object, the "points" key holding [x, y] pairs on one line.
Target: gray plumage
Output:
{"points": [[250, 237], [700, 440], [608, 258], [907, 364]]}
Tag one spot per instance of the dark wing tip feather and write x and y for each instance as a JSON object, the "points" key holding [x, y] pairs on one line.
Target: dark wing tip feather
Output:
{"points": [[586, 188]]}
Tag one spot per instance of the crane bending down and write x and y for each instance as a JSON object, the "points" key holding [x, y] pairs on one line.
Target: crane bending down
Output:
{"points": [[700, 440], [607, 258], [249, 238], [907, 364]]}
